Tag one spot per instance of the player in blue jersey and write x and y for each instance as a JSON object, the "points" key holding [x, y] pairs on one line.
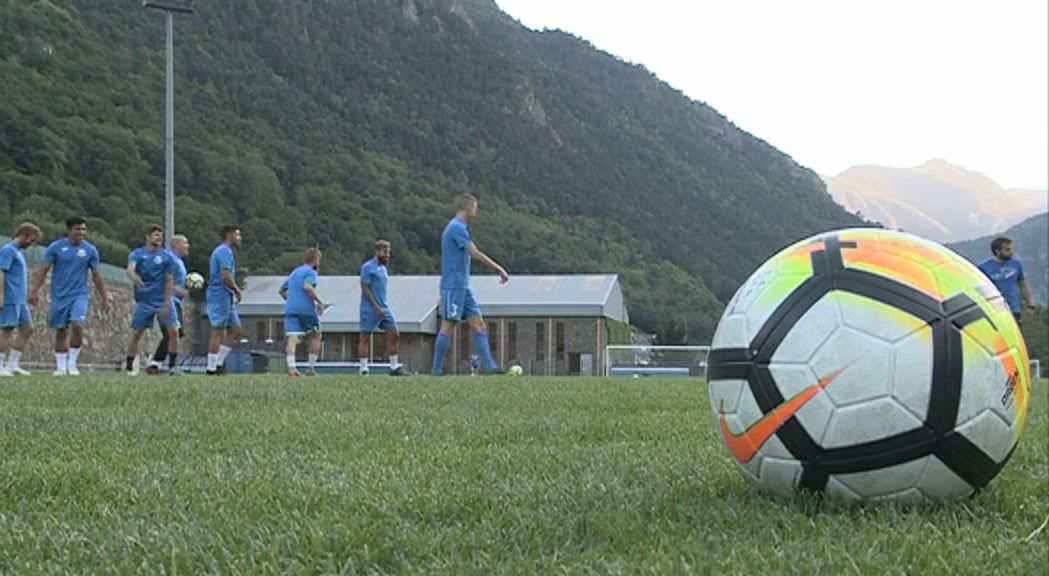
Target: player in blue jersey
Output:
{"points": [[302, 311], [457, 298], [151, 267], [1007, 273], [179, 248], [376, 314], [71, 260], [223, 297], [14, 299]]}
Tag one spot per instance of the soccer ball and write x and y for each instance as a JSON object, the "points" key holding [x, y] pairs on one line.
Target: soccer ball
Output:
{"points": [[194, 281], [867, 364], [516, 370]]}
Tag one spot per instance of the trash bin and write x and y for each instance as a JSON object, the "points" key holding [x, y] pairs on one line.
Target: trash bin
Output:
{"points": [[238, 362], [278, 364], [259, 363]]}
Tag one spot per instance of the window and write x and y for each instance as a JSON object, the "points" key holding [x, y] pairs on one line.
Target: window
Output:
{"points": [[261, 333], [464, 345], [493, 340], [559, 338], [511, 340], [540, 341], [278, 330]]}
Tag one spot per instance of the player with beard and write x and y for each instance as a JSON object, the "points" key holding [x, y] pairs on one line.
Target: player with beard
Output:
{"points": [[152, 269], [458, 303], [376, 314], [70, 260], [223, 297], [1007, 273]]}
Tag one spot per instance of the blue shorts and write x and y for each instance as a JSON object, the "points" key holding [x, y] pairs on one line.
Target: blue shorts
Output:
{"points": [[222, 313], [68, 310], [301, 324], [459, 304], [145, 313], [15, 315], [370, 321]]}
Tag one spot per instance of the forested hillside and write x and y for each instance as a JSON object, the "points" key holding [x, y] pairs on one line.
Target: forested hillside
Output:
{"points": [[333, 123]]}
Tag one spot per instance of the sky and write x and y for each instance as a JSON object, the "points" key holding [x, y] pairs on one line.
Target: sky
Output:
{"points": [[838, 83]]}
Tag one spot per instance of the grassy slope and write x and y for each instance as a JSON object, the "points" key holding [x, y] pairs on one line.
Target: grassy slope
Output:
{"points": [[260, 474]]}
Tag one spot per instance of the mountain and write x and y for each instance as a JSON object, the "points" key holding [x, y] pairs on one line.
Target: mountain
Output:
{"points": [[937, 200], [333, 123], [1030, 244]]}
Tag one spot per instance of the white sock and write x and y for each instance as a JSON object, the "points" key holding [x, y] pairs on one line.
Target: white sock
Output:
{"points": [[223, 352], [393, 361], [60, 360], [74, 353], [313, 361], [291, 363], [213, 361], [12, 359], [364, 365]]}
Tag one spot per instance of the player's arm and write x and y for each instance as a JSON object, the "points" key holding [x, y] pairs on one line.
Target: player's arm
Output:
{"points": [[1025, 293], [312, 291], [2, 274], [169, 292], [484, 259], [283, 290], [366, 291], [38, 283], [231, 283], [100, 286], [132, 271]]}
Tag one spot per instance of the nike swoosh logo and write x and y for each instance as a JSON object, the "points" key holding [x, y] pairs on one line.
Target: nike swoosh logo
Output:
{"points": [[746, 444]]}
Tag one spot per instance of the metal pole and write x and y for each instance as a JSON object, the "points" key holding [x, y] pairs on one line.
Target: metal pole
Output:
{"points": [[169, 191]]}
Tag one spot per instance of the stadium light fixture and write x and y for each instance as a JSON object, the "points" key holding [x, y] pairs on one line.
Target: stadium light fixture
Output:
{"points": [[170, 8]]}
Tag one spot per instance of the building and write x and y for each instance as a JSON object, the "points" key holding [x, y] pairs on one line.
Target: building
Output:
{"points": [[547, 324]]}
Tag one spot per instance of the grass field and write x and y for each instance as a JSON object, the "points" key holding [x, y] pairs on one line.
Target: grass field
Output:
{"points": [[261, 475]]}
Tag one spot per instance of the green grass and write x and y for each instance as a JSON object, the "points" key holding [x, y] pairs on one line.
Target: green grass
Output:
{"points": [[261, 475]]}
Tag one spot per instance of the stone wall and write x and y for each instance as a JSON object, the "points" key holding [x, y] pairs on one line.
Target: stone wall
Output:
{"points": [[106, 335]]}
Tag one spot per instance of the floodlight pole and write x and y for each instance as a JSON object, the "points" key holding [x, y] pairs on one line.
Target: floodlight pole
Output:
{"points": [[169, 136], [169, 7]]}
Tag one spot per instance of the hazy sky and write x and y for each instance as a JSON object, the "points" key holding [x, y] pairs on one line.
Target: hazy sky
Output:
{"points": [[834, 83]]}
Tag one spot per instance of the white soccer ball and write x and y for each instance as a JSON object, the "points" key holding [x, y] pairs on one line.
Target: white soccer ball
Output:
{"points": [[194, 281], [516, 370], [869, 364]]}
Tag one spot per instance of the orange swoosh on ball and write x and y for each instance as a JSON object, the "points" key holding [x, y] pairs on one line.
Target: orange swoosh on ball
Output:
{"points": [[746, 444]]}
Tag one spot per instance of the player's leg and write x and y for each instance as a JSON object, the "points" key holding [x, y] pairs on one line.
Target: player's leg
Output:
{"points": [[77, 318], [233, 333], [24, 327], [59, 320], [172, 326], [315, 337], [141, 320], [218, 317], [451, 314], [6, 333], [393, 345], [480, 332], [293, 330], [369, 323]]}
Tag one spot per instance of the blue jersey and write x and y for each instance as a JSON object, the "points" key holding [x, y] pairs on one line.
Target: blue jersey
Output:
{"points": [[180, 275], [16, 277], [299, 301], [70, 264], [373, 274], [455, 258], [1006, 275], [153, 267], [222, 258]]}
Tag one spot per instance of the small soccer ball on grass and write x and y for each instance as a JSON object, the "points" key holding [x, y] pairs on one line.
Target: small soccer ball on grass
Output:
{"points": [[516, 370], [194, 281], [868, 364]]}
